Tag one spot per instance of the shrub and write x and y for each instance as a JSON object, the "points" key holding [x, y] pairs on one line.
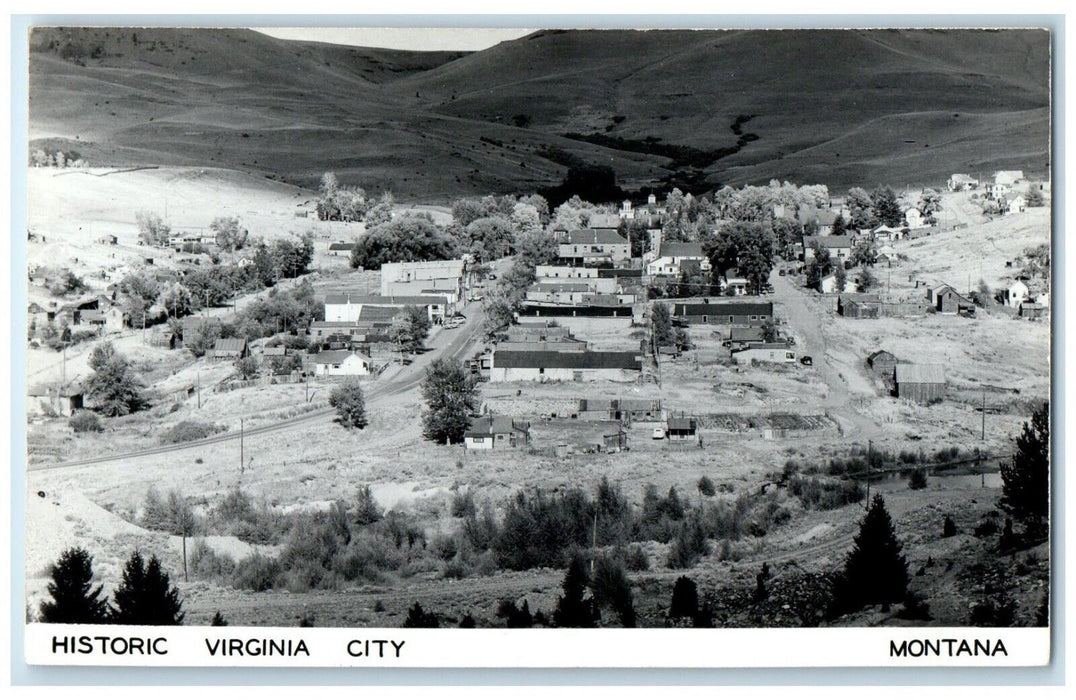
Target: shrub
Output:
{"points": [[256, 573], [350, 404], [636, 559], [207, 565], [462, 504], [917, 480], [367, 511], [188, 430], [706, 486], [85, 422], [538, 529], [685, 599], [419, 618], [986, 528], [690, 544], [948, 527], [611, 588]]}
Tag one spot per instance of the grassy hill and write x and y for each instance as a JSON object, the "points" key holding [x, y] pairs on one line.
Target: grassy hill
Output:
{"points": [[839, 107]]}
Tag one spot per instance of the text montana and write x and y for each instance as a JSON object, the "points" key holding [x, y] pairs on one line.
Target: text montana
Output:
{"points": [[948, 647]]}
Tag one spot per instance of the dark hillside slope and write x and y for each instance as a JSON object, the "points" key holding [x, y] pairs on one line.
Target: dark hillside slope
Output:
{"points": [[839, 107]]}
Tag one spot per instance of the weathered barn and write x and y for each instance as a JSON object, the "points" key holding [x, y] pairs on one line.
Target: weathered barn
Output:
{"points": [[859, 305], [882, 362], [920, 383], [229, 349]]}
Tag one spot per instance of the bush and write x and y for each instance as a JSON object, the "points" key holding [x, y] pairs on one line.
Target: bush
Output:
{"points": [[636, 559], [690, 545], [419, 618], [685, 599], [350, 404], [206, 565], [256, 573], [538, 529], [188, 430], [85, 422], [917, 480], [462, 505], [948, 527], [706, 486]]}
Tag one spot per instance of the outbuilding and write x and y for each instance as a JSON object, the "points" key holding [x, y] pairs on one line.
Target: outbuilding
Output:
{"points": [[496, 433], [920, 383]]}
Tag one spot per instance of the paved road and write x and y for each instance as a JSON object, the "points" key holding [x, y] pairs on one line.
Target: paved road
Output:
{"points": [[452, 344]]}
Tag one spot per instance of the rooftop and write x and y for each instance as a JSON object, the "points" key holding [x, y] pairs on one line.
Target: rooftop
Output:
{"points": [[589, 236], [566, 360], [920, 374]]}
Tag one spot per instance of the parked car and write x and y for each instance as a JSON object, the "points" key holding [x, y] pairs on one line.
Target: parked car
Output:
{"points": [[806, 360], [658, 434], [781, 272]]}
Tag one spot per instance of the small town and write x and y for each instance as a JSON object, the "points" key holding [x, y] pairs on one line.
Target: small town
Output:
{"points": [[778, 404]]}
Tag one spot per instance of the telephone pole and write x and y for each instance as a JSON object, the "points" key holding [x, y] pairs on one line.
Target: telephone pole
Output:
{"points": [[870, 451], [982, 436], [241, 448]]}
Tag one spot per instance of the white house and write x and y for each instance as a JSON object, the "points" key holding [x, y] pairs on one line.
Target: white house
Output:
{"points": [[962, 181], [829, 285], [429, 277], [496, 433], [341, 363], [1016, 294], [348, 307], [839, 247], [914, 218], [887, 233], [551, 366], [764, 352], [671, 257], [1016, 205], [594, 245]]}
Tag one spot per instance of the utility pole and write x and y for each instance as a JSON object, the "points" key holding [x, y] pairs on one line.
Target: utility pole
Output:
{"points": [[199, 388], [241, 448], [869, 455], [63, 372], [982, 437]]}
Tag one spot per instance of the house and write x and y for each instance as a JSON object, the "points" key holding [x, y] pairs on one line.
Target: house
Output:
{"points": [[340, 363], [764, 352], [341, 249], [115, 320], [682, 429], [885, 256], [1016, 205], [854, 305], [534, 333], [46, 400], [94, 319], [496, 433], [962, 181], [882, 362], [839, 247], [1016, 294], [1032, 310], [445, 278], [1005, 179], [349, 307], [593, 245], [884, 232], [733, 313], [734, 284], [229, 349], [108, 239], [920, 383], [603, 221], [163, 337], [915, 219], [671, 256], [947, 300], [828, 284], [558, 293], [741, 337], [563, 366]]}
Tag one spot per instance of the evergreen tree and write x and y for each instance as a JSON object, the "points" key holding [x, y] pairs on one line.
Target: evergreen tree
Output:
{"points": [[840, 277], [839, 226], [611, 588], [350, 404], [685, 599], [1025, 490], [146, 596], [74, 599], [450, 396], [761, 577], [419, 618], [875, 570], [218, 620], [885, 209], [573, 609]]}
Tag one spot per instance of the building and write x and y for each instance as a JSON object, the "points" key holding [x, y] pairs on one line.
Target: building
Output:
{"points": [[920, 383], [563, 366], [859, 305], [538, 333], [1004, 180], [341, 249], [947, 300], [723, 313], [764, 352], [593, 246], [1032, 310], [914, 218], [45, 400], [740, 337], [885, 232], [670, 258], [882, 362], [962, 181], [828, 285], [1016, 205], [682, 429], [430, 277], [163, 337], [349, 307], [115, 320], [496, 433], [558, 292], [839, 247], [229, 349], [340, 363], [1016, 294], [625, 410]]}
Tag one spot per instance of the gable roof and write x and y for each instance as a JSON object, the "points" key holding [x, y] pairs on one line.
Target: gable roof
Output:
{"points": [[680, 249], [533, 359], [681, 423], [828, 242], [604, 221], [920, 374], [735, 308], [745, 333], [230, 345], [342, 246], [484, 426], [590, 236], [335, 357], [375, 300]]}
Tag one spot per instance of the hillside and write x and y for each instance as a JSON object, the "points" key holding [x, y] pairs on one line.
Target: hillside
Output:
{"points": [[839, 107]]}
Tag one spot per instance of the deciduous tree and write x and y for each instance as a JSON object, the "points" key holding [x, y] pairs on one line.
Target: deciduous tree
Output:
{"points": [[451, 399]]}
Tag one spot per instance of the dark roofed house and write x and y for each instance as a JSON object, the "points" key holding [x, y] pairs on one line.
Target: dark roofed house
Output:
{"points": [[496, 433], [338, 249], [738, 313], [229, 349], [920, 383], [547, 365], [859, 305], [882, 362], [1032, 310], [682, 429], [741, 337]]}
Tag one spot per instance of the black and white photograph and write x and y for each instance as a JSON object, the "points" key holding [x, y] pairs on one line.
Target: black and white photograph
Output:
{"points": [[518, 328]]}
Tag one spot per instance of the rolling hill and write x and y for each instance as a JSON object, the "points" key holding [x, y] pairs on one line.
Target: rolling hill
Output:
{"points": [[705, 107]]}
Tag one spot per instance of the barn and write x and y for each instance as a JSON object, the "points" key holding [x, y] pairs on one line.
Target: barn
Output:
{"points": [[920, 383], [882, 362]]}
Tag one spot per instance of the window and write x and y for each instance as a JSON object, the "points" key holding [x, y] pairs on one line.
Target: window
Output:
{"points": [[754, 318], [731, 319]]}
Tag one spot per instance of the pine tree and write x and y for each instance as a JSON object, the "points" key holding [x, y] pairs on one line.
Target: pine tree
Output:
{"points": [[685, 599], [1025, 490], [218, 620], [74, 600], [875, 570], [417, 618], [573, 609], [146, 596]]}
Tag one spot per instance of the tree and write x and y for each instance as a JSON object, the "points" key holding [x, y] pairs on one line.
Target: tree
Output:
{"points": [[367, 511], [885, 208], [875, 571], [247, 367], [152, 230], [1035, 197], [865, 252], [350, 404], [1025, 489], [611, 588], [417, 618], [840, 277], [292, 256], [408, 237], [500, 313], [705, 485], [230, 236], [218, 620], [145, 595], [760, 594], [574, 609], [685, 599], [859, 208], [839, 226], [929, 204], [113, 387], [819, 266], [74, 599], [769, 331], [867, 280], [490, 237], [451, 399]]}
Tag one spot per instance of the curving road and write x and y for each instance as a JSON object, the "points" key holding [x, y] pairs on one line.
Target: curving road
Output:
{"points": [[458, 345]]}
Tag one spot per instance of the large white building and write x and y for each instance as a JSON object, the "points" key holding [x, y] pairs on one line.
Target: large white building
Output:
{"points": [[347, 308], [432, 277]]}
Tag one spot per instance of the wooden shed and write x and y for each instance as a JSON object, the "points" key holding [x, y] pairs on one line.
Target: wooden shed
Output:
{"points": [[882, 362], [920, 383]]}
